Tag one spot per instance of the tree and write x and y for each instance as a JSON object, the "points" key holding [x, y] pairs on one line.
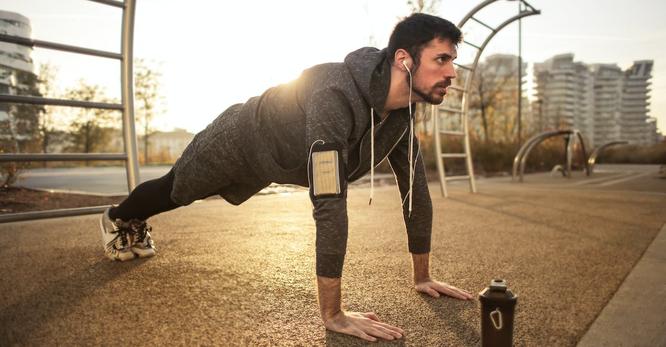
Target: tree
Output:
{"points": [[91, 130], [490, 96], [147, 99], [19, 130], [423, 6], [47, 76]]}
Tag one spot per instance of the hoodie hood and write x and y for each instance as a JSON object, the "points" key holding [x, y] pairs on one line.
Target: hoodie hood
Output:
{"points": [[371, 72]]}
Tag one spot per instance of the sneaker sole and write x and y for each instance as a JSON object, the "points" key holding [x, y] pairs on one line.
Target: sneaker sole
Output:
{"points": [[143, 253]]}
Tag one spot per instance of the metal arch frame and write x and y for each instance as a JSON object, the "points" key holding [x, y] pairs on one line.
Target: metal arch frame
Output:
{"points": [[529, 11], [130, 155], [520, 160], [591, 161]]}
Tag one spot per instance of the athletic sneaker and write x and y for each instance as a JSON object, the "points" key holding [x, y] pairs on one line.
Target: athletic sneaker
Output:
{"points": [[142, 243], [115, 238]]}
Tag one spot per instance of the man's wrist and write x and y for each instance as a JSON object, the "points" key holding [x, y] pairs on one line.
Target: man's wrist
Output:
{"points": [[329, 297], [328, 317], [421, 267]]}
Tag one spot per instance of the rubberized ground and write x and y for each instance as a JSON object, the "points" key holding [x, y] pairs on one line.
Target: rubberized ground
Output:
{"points": [[227, 275]]}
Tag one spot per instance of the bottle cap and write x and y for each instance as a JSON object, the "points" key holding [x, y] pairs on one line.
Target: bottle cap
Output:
{"points": [[498, 285]]}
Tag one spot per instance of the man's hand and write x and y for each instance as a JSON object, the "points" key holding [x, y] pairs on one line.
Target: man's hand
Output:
{"points": [[364, 325], [435, 288]]}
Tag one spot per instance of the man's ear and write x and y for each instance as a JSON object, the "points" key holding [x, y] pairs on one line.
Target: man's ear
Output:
{"points": [[402, 59]]}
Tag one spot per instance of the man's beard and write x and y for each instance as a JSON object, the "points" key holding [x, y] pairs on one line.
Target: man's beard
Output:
{"points": [[430, 97]]}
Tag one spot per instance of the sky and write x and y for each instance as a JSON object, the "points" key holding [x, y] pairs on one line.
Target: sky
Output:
{"points": [[213, 54]]}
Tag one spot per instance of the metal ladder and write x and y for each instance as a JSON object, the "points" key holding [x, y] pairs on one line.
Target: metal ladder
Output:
{"points": [[129, 156], [464, 90]]}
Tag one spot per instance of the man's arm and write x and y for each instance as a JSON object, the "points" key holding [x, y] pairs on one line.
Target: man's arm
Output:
{"points": [[327, 124], [419, 224], [424, 284]]}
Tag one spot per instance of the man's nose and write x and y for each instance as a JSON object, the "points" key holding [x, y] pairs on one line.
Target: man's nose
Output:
{"points": [[451, 71]]}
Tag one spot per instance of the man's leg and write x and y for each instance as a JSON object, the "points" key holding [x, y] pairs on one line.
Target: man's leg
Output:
{"points": [[146, 200], [124, 229]]}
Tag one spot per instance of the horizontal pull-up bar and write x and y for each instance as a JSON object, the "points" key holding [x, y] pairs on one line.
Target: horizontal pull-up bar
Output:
{"points": [[59, 46], [24, 157], [23, 216], [119, 4], [35, 100]]}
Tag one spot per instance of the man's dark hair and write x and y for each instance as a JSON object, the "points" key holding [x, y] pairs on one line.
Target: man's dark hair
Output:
{"points": [[415, 31]]}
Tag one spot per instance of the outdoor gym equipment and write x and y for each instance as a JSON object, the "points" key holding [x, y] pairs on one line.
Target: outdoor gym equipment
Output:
{"points": [[525, 10]]}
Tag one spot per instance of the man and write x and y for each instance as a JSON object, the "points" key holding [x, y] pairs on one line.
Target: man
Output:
{"points": [[332, 125]]}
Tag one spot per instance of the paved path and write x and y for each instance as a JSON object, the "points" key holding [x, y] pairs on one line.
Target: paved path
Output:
{"points": [[228, 275], [635, 316]]}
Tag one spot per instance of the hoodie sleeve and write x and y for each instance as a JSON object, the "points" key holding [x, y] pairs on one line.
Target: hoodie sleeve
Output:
{"points": [[329, 119], [419, 225]]}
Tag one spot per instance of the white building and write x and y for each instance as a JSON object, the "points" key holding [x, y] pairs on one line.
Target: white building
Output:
{"points": [[635, 124], [602, 101], [607, 103], [15, 64], [564, 95]]}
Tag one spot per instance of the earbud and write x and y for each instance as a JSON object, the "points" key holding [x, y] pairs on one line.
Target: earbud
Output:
{"points": [[404, 63]]}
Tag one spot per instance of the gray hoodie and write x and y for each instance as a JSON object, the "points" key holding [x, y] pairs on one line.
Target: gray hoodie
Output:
{"points": [[268, 139]]}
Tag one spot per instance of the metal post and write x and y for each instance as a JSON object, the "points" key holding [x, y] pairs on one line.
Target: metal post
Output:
{"points": [[127, 79], [520, 72], [438, 146]]}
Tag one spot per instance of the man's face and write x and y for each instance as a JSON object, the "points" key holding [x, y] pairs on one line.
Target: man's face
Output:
{"points": [[435, 71]]}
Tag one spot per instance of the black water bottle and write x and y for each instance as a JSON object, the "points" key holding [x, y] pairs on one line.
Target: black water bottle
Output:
{"points": [[498, 304]]}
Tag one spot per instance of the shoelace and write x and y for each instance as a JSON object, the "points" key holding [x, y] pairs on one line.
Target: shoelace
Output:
{"points": [[123, 232], [140, 229]]}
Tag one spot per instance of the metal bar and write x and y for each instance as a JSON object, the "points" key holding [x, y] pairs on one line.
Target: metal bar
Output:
{"points": [[24, 216], [449, 109], [523, 160], [568, 147], [520, 74], [35, 100], [119, 4], [449, 132], [463, 66], [472, 12], [527, 146], [581, 139], [528, 5], [58, 46], [127, 79], [23, 157], [458, 88], [591, 161], [471, 44], [454, 155], [438, 149], [457, 178], [484, 24]]}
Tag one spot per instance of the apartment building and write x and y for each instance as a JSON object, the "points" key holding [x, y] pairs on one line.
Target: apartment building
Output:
{"points": [[601, 100]]}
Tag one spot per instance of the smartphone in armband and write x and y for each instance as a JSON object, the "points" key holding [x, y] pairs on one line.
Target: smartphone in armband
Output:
{"points": [[326, 171]]}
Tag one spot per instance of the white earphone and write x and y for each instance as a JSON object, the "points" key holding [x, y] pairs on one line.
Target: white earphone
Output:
{"points": [[404, 63]]}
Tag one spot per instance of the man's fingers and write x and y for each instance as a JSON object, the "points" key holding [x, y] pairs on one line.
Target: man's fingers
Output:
{"points": [[394, 328], [452, 291], [389, 331], [432, 292], [372, 316], [380, 332], [365, 336]]}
